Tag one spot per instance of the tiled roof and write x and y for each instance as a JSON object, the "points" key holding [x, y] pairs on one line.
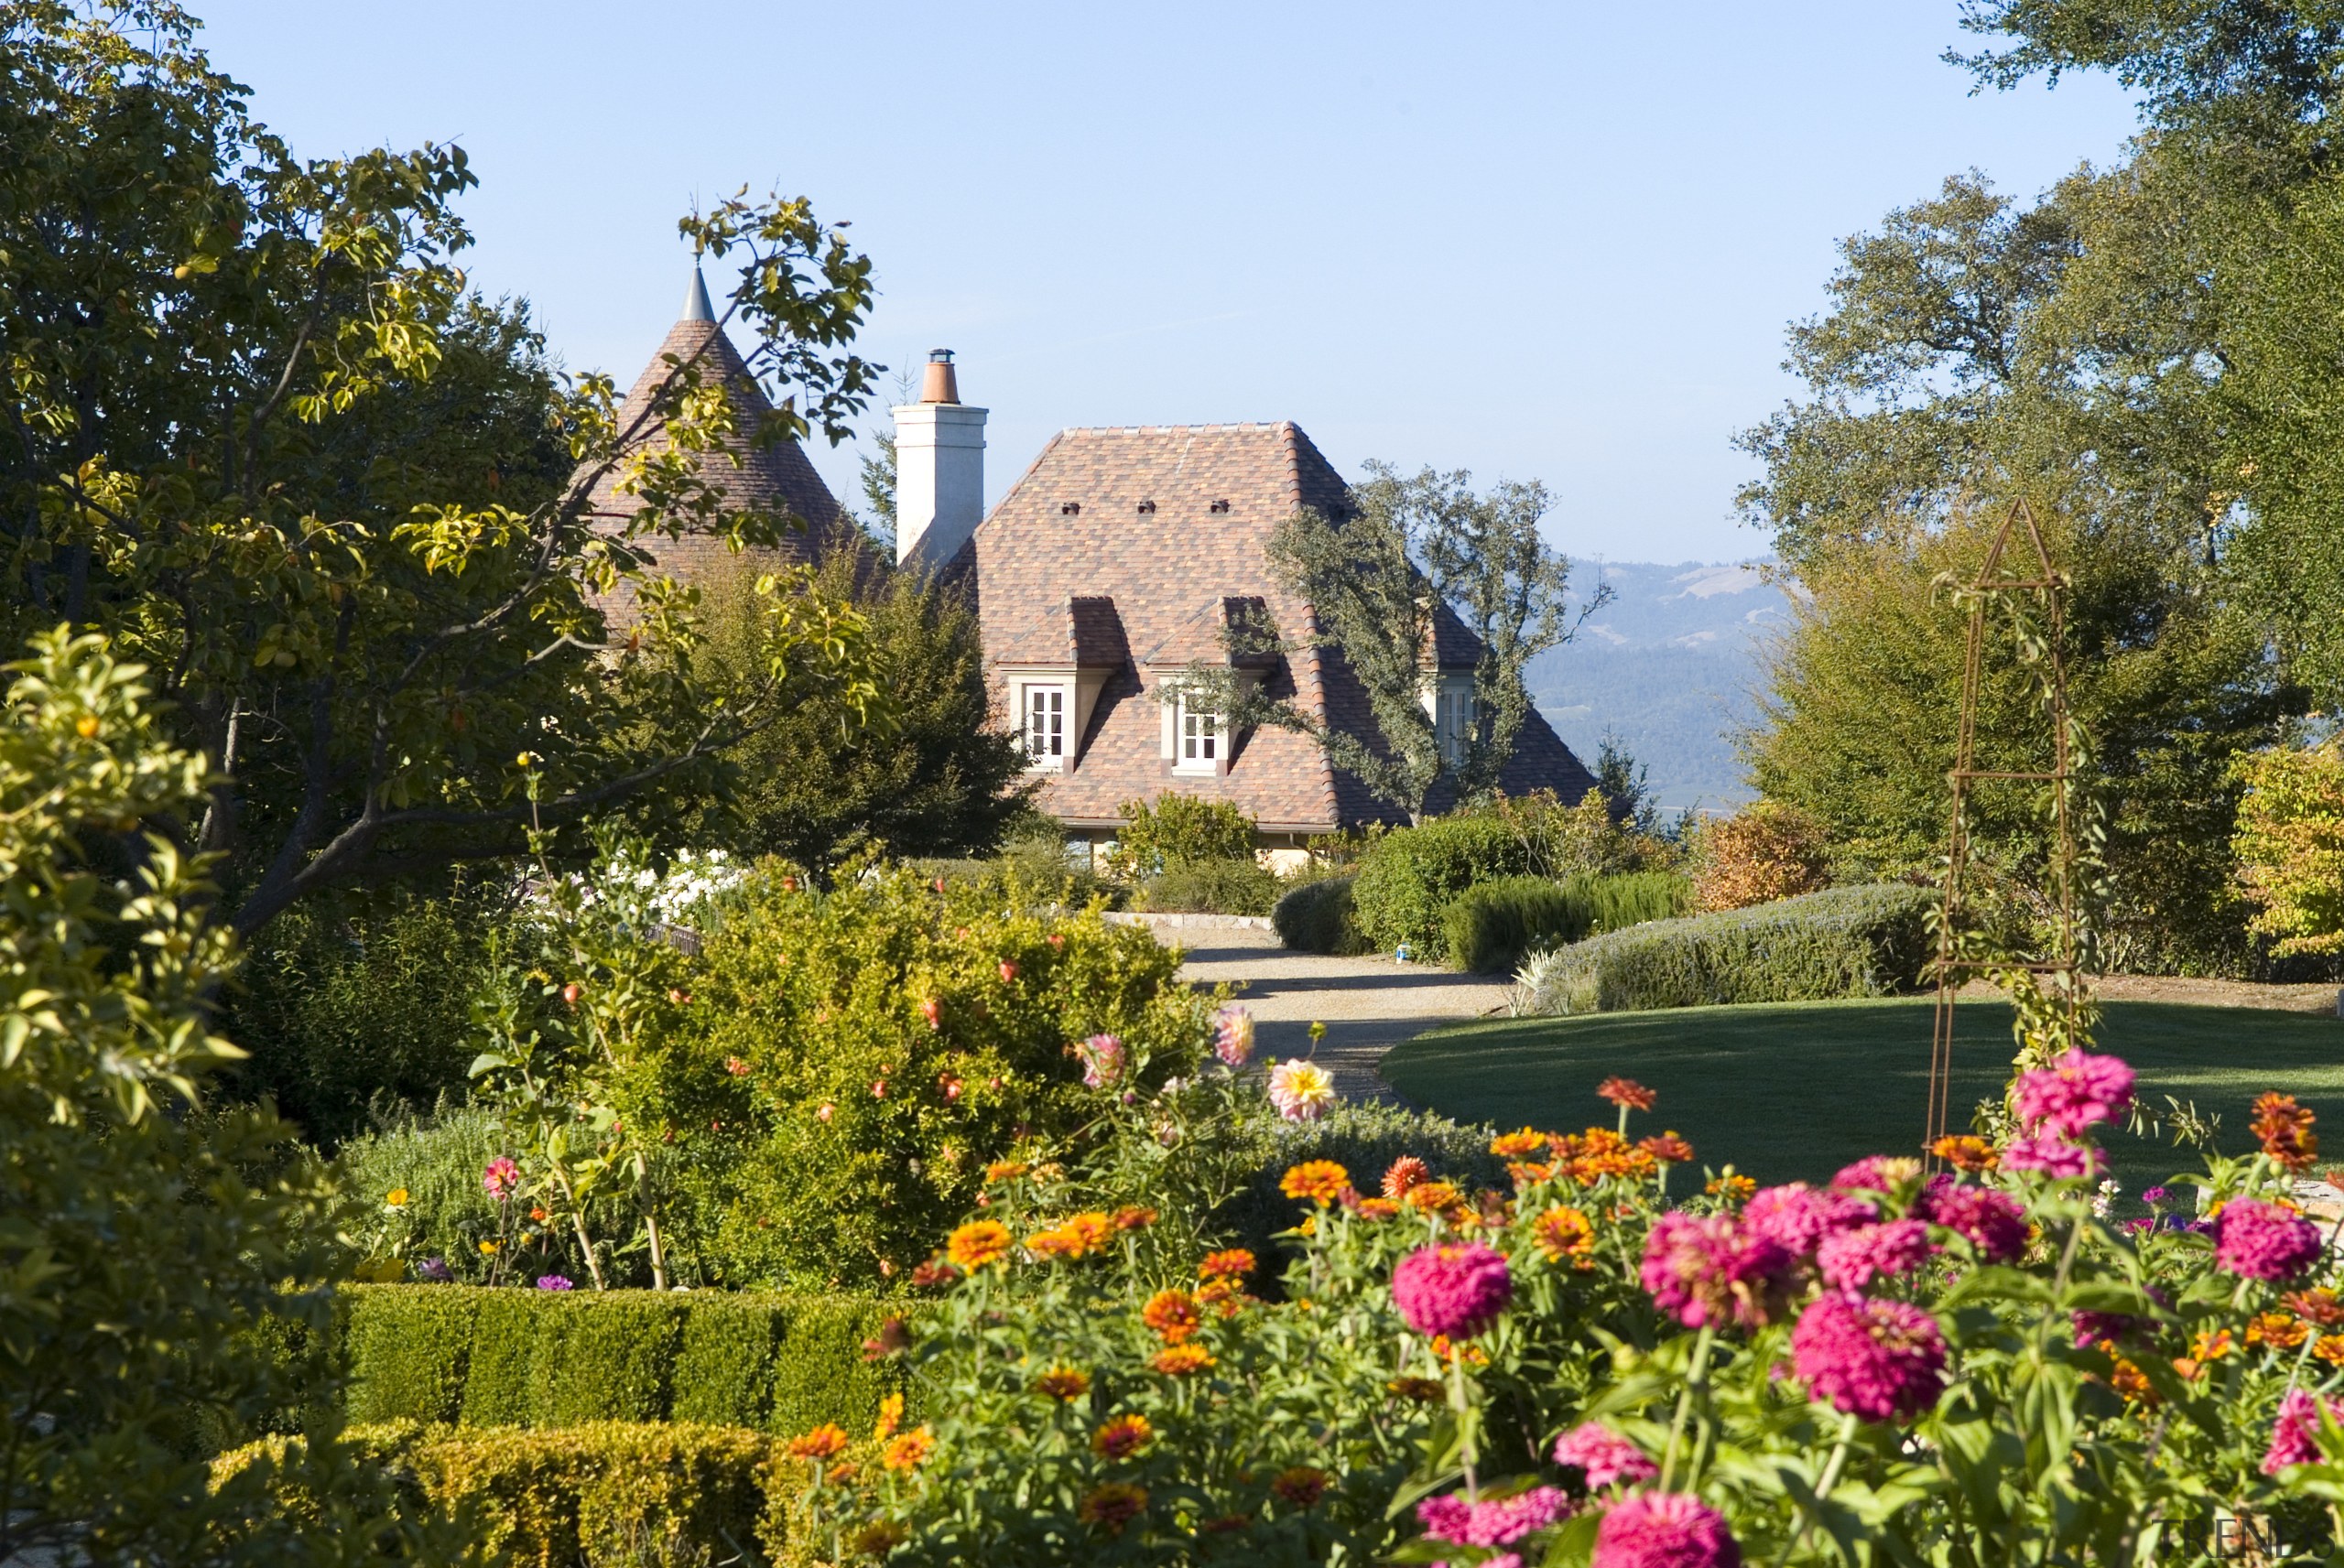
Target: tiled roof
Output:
{"points": [[745, 474], [1171, 523]]}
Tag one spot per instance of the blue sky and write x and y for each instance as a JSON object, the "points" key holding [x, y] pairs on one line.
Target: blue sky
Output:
{"points": [[1535, 241]]}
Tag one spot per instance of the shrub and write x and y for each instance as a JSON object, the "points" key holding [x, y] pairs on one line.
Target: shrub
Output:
{"points": [[1844, 942], [613, 1495], [2290, 848], [1178, 830], [458, 1355], [848, 1062], [1764, 852], [436, 1161], [1407, 877], [1212, 887], [1319, 917], [1493, 924]]}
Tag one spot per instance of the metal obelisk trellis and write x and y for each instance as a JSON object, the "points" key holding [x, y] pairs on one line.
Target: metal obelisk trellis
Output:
{"points": [[1997, 581]]}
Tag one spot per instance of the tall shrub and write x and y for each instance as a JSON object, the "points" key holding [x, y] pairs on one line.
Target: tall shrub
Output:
{"points": [[2290, 846], [1765, 851], [1178, 830], [1407, 877], [1493, 924]]}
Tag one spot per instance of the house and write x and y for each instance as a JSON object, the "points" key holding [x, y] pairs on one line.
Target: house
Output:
{"points": [[775, 477], [1121, 556]]}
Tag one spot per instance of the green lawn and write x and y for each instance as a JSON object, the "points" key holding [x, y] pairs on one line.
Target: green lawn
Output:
{"points": [[1801, 1089]]}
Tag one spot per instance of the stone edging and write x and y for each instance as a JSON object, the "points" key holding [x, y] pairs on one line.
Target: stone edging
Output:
{"points": [[1176, 921]]}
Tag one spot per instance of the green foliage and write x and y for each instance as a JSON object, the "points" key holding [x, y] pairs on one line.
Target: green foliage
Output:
{"points": [[817, 786], [265, 439], [1212, 887], [2290, 846], [613, 1495], [1407, 877], [1491, 925], [1178, 830], [437, 1161], [1843, 942], [1320, 917], [355, 1008], [1035, 863], [162, 1263], [456, 1355], [848, 1062]]}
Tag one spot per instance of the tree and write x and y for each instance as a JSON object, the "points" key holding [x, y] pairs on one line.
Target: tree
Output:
{"points": [[817, 785], [1625, 786], [2291, 846], [1406, 554], [262, 435], [157, 1256]]}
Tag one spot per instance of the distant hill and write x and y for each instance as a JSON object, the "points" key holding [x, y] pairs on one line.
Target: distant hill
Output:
{"points": [[1669, 665]]}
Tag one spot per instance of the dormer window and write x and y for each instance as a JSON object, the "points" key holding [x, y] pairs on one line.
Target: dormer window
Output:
{"points": [[1450, 702], [1200, 740], [1045, 732]]}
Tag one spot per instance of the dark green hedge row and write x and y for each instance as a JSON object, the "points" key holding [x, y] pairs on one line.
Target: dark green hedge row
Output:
{"points": [[1841, 942], [1492, 925], [1317, 917], [458, 1356]]}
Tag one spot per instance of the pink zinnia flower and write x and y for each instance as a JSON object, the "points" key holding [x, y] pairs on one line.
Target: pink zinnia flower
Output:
{"points": [[1602, 1455], [1992, 1222], [1711, 1270], [1799, 1217], [1452, 1291], [1102, 1061], [1876, 1173], [2294, 1435], [1852, 1258], [2053, 1155], [1232, 1035], [2074, 1094], [500, 1177], [2258, 1240], [553, 1282], [1664, 1529], [1498, 1521], [1877, 1359]]}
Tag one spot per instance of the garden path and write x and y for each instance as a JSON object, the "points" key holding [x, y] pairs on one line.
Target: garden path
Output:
{"points": [[1368, 1005]]}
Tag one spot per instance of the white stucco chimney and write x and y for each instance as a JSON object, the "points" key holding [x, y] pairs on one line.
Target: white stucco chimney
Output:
{"points": [[939, 469]]}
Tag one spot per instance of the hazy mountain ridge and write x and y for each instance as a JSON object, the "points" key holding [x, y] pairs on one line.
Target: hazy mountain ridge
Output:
{"points": [[1669, 665]]}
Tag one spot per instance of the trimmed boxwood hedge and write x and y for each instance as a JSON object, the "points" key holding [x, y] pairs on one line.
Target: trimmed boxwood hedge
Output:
{"points": [[1841, 942], [460, 1356], [1491, 925]]}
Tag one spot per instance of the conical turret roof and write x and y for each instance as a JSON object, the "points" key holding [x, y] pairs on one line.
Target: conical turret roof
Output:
{"points": [[774, 476]]}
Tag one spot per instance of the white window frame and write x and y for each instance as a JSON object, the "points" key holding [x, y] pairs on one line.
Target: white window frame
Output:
{"points": [[1045, 724], [1450, 704], [1199, 739]]}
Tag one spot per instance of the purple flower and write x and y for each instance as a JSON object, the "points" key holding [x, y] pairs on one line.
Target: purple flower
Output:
{"points": [[2154, 1196], [2053, 1156], [2074, 1094], [1602, 1455], [1451, 1291], [554, 1283], [2294, 1435], [499, 1177], [2258, 1240], [435, 1270], [1711, 1270], [2091, 1327], [1664, 1529], [1852, 1258], [1232, 1035], [1990, 1221], [1877, 1359], [1798, 1218], [1498, 1521]]}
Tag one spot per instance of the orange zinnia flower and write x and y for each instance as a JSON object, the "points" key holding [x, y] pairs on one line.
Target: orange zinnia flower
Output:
{"points": [[1122, 1437], [825, 1442], [978, 1243], [1112, 1505], [2320, 1306], [1235, 1263], [1436, 1197], [1004, 1171], [2285, 1129], [1668, 1149], [1377, 1208], [2330, 1349], [1733, 1189], [1064, 1383], [2277, 1330], [1514, 1145], [1180, 1360], [905, 1453], [1428, 1390], [1130, 1216], [1316, 1181], [1223, 1295], [1405, 1173], [1964, 1151], [1628, 1093], [1563, 1232], [1173, 1315]]}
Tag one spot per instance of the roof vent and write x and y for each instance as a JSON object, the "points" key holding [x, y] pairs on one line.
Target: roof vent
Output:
{"points": [[1147, 509], [1071, 509], [1220, 506]]}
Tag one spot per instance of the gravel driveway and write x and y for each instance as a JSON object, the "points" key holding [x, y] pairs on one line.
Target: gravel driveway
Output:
{"points": [[1368, 1005]]}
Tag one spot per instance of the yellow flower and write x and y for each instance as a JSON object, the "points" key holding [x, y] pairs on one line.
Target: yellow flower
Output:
{"points": [[1516, 1145], [1733, 1189], [395, 1199], [891, 1416], [1564, 1232], [488, 1248], [1180, 1360], [978, 1243], [2277, 1330], [906, 1452], [1122, 1437], [1064, 1383], [1318, 1180]]}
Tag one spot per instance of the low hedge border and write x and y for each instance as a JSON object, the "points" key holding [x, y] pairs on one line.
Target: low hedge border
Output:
{"points": [[1841, 942], [464, 1356]]}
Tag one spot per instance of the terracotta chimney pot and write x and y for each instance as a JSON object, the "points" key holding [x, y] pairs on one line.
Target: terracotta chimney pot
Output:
{"points": [[940, 384]]}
